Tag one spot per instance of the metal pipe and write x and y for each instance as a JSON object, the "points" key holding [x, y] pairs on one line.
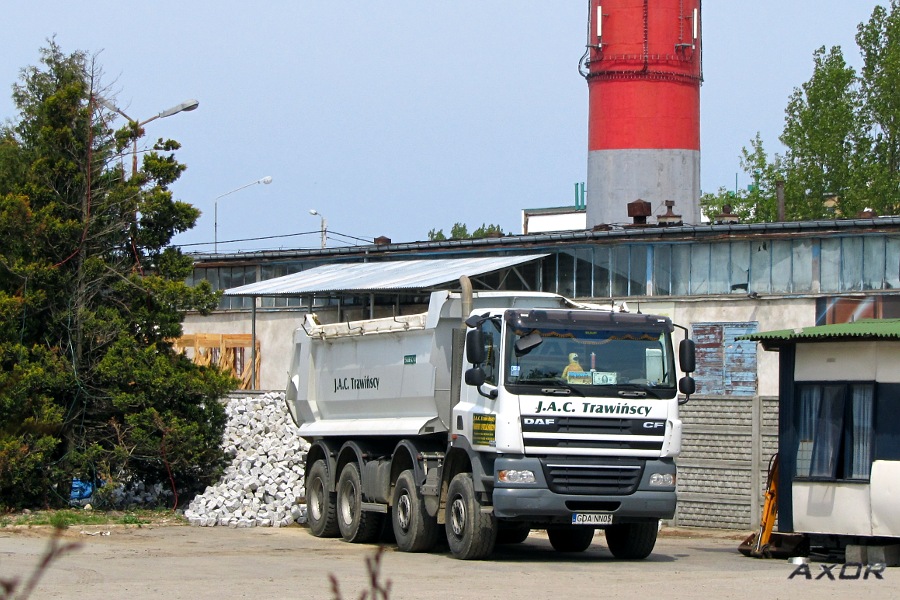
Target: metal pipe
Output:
{"points": [[465, 285], [779, 195]]}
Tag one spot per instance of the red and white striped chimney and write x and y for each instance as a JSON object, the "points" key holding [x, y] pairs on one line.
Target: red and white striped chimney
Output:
{"points": [[643, 67]]}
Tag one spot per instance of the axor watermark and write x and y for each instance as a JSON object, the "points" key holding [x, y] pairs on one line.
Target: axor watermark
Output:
{"points": [[848, 571]]}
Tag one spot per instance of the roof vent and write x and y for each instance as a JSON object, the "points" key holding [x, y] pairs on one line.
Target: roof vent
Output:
{"points": [[726, 217], [670, 218], [639, 210], [868, 213]]}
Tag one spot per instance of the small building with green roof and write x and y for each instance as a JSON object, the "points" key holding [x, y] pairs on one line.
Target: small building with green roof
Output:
{"points": [[838, 430]]}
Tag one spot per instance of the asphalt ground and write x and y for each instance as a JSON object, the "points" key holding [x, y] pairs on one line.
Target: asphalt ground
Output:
{"points": [[177, 561]]}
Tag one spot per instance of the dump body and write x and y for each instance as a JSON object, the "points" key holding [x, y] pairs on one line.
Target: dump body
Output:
{"points": [[390, 376]]}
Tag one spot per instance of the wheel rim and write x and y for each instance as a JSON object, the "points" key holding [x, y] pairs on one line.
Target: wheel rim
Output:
{"points": [[318, 500], [348, 503], [458, 516], [404, 510]]}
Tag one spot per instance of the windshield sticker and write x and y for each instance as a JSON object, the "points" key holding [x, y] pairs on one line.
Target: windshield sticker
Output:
{"points": [[579, 377]]}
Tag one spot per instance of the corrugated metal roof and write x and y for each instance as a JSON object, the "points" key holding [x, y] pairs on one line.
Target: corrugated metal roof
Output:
{"points": [[615, 233], [864, 329], [379, 276]]}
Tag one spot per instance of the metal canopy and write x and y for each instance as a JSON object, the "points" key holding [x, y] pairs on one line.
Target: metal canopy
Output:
{"points": [[379, 276]]}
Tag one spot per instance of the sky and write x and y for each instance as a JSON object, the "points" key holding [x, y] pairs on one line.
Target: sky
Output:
{"points": [[397, 117]]}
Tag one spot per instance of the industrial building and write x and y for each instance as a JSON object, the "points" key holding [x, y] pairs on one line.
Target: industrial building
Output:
{"points": [[723, 280]]}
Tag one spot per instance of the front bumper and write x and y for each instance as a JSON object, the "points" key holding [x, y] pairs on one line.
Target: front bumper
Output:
{"points": [[538, 501]]}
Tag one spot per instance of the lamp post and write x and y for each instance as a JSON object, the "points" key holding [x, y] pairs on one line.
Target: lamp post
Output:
{"points": [[323, 224], [185, 106], [265, 181]]}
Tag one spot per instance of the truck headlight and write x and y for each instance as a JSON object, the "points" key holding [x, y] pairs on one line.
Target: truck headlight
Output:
{"points": [[515, 476], [662, 480]]}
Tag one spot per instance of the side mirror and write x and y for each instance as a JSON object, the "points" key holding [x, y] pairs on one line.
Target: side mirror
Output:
{"points": [[475, 376], [687, 356], [475, 347], [687, 386]]}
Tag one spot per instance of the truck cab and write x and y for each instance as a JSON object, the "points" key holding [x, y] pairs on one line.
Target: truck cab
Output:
{"points": [[578, 409]]}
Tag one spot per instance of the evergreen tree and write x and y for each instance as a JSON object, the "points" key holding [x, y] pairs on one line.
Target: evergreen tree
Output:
{"points": [[91, 293]]}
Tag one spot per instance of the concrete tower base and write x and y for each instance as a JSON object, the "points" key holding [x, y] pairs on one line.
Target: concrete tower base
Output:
{"points": [[617, 177]]}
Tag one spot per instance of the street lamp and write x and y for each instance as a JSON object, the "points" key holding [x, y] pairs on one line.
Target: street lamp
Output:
{"points": [[323, 224], [265, 181], [185, 106]]}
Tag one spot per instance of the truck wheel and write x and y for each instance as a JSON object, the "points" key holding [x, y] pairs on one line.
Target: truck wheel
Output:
{"points": [[414, 530], [632, 540], [356, 525], [320, 502], [471, 533], [571, 538]]}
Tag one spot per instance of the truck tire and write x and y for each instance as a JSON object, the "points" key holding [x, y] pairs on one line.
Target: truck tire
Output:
{"points": [[632, 541], [471, 533], [356, 525], [320, 502], [414, 529], [571, 538]]}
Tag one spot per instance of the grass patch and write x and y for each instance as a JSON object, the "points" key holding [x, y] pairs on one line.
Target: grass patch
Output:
{"points": [[62, 519]]}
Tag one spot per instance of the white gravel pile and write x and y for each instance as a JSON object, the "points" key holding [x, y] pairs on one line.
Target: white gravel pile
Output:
{"points": [[263, 485]]}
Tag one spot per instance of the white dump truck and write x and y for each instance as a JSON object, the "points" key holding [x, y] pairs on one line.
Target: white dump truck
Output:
{"points": [[490, 415]]}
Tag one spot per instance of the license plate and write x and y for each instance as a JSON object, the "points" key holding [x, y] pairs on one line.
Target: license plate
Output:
{"points": [[592, 519]]}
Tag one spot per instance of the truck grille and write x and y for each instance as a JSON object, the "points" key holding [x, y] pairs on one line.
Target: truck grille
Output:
{"points": [[569, 433], [576, 476]]}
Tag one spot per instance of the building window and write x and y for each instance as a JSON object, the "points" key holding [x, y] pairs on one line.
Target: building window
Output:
{"points": [[601, 272], [851, 264], [740, 267], [802, 266], [835, 431], [700, 266], [620, 263], [719, 272], [892, 260], [681, 270], [781, 266], [662, 270], [761, 266], [873, 276]]}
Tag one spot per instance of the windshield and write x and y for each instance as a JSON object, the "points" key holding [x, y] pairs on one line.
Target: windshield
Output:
{"points": [[596, 358]]}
